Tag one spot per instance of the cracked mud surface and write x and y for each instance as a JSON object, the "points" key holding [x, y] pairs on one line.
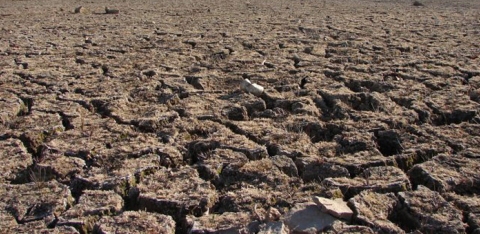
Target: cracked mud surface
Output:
{"points": [[136, 120]]}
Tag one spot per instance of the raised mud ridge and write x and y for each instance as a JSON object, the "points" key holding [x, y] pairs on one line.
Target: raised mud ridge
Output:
{"points": [[128, 117]]}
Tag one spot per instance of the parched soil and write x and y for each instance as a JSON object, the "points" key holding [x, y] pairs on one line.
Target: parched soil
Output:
{"points": [[133, 121]]}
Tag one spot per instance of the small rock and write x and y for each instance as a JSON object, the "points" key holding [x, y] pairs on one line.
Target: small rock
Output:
{"points": [[197, 82], [149, 73], [111, 11], [307, 218], [80, 10], [337, 207], [417, 4], [269, 65], [303, 82]]}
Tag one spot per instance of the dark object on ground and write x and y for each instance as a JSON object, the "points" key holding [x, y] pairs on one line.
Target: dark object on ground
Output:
{"points": [[303, 82], [417, 3]]}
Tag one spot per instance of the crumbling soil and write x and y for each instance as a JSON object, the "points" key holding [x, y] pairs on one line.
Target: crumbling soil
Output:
{"points": [[128, 116]]}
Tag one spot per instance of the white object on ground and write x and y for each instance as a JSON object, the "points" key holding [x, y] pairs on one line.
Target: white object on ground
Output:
{"points": [[254, 88]]}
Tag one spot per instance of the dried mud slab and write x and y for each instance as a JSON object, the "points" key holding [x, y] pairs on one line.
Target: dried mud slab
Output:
{"points": [[224, 223], [40, 227], [418, 207], [447, 173], [169, 192], [378, 179], [38, 201], [91, 206], [470, 205], [342, 227], [136, 221], [36, 129], [12, 106], [246, 198], [375, 210], [16, 160], [260, 173], [210, 164]]}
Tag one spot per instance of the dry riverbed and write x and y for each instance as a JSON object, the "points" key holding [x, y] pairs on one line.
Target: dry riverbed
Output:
{"points": [[128, 116]]}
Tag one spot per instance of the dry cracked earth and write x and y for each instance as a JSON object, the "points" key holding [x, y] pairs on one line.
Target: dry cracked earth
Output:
{"points": [[135, 122]]}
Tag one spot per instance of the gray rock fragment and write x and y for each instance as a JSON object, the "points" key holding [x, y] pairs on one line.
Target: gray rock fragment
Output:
{"points": [[307, 218], [335, 207]]}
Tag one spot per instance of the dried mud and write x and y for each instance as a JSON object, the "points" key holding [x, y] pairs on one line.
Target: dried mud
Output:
{"points": [[134, 120]]}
